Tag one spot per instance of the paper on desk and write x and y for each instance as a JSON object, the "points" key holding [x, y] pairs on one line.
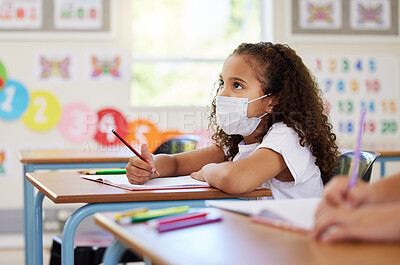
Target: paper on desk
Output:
{"points": [[121, 181], [296, 212]]}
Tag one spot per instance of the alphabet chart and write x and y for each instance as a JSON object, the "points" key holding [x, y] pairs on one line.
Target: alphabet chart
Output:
{"points": [[350, 83]]}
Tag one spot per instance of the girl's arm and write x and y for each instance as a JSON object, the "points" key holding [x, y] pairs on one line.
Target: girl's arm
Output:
{"points": [[139, 172], [244, 175], [188, 162]]}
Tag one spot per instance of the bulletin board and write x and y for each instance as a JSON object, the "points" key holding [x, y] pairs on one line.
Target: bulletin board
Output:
{"points": [[343, 18], [350, 83], [56, 18]]}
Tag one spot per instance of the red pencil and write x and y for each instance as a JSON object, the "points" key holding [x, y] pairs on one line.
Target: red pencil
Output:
{"points": [[131, 148]]}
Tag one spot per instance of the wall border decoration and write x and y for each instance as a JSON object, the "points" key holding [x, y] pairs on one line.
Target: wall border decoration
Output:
{"points": [[49, 22], [315, 20]]}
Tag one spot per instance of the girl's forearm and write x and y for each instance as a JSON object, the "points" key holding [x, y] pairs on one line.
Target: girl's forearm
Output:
{"points": [[165, 165]]}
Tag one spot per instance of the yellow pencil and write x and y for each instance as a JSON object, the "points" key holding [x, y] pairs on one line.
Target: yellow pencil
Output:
{"points": [[130, 213]]}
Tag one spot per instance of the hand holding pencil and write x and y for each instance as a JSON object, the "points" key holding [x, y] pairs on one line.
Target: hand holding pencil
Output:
{"points": [[141, 168]]}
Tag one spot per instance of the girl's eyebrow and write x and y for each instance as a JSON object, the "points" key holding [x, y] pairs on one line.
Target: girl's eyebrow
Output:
{"points": [[233, 78], [238, 79]]}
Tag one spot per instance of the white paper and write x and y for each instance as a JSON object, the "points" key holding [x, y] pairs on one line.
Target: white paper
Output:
{"points": [[157, 183], [299, 212]]}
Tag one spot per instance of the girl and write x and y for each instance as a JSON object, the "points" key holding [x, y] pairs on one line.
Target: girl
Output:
{"points": [[270, 130]]}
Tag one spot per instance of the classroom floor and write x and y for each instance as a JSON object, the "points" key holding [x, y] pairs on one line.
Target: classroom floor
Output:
{"points": [[12, 250]]}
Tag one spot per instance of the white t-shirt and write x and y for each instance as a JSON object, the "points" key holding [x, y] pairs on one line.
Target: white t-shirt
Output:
{"points": [[299, 160]]}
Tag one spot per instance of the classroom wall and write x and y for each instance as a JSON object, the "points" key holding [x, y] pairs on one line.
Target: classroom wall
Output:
{"points": [[18, 54]]}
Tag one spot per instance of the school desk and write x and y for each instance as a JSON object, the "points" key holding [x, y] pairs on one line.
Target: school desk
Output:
{"points": [[69, 187], [236, 240], [56, 159]]}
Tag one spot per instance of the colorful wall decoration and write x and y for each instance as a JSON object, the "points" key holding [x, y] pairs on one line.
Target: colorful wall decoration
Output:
{"points": [[21, 14], [345, 17], [107, 66], [72, 14], [14, 100], [350, 83], [55, 66], [6, 155], [3, 76]]}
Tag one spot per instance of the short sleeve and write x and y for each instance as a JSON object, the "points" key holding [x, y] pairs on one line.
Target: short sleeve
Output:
{"points": [[299, 159]]}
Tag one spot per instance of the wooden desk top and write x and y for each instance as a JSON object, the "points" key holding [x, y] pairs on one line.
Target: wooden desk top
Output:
{"points": [[238, 240], [53, 156], [69, 187]]}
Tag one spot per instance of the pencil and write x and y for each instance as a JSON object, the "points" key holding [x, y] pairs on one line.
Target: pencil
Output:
{"points": [[132, 149], [353, 176], [130, 213], [103, 172]]}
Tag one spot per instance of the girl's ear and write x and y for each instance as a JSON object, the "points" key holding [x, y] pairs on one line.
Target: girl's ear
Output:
{"points": [[272, 101]]}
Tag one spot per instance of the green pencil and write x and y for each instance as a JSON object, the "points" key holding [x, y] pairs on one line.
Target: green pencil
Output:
{"points": [[104, 172]]}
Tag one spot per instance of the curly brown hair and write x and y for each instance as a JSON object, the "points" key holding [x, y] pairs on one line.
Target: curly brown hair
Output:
{"points": [[283, 74]]}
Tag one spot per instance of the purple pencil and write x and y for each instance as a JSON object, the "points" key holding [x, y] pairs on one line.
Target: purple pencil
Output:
{"points": [[353, 176]]}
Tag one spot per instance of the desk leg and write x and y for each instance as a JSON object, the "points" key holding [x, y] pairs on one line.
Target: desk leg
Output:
{"points": [[383, 169], [28, 215], [67, 246], [38, 226], [113, 253]]}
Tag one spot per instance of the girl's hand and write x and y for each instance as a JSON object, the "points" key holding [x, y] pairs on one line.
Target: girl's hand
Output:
{"points": [[372, 223], [137, 170], [204, 172]]}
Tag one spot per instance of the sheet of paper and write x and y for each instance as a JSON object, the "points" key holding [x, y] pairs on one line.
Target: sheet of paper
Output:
{"points": [[156, 183], [299, 212]]}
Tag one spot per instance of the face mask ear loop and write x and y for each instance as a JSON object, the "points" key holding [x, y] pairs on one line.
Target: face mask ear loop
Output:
{"points": [[262, 116], [267, 95]]}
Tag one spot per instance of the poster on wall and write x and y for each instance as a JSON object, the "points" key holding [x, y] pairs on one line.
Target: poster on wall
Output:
{"points": [[344, 18], [107, 66], [5, 162], [21, 14], [350, 83], [320, 14], [55, 66], [78, 14], [370, 14]]}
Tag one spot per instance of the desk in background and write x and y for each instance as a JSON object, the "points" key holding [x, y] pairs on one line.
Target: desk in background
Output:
{"points": [[56, 159], [236, 240], [69, 187]]}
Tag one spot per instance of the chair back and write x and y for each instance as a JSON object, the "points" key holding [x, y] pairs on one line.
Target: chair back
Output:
{"points": [[179, 144], [366, 161]]}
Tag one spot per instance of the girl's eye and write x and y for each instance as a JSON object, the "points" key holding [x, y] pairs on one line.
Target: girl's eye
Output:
{"points": [[236, 85]]}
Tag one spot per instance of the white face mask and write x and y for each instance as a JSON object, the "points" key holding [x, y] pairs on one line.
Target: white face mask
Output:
{"points": [[232, 115]]}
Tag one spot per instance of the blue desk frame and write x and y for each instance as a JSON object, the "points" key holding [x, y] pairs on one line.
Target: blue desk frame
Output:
{"points": [[29, 212], [67, 247], [383, 160]]}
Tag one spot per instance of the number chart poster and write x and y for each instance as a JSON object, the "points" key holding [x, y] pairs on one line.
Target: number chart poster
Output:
{"points": [[351, 83]]}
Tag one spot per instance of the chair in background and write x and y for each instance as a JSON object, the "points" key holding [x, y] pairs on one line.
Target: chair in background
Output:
{"points": [[178, 144], [365, 163], [90, 246]]}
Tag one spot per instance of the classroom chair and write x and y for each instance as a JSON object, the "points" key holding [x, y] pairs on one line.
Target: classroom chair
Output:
{"points": [[178, 144], [90, 247], [346, 163]]}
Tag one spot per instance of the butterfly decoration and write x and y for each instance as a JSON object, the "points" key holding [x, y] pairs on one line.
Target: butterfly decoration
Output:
{"points": [[54, 68], [370, 14], [320, 12], [105, 67]]}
